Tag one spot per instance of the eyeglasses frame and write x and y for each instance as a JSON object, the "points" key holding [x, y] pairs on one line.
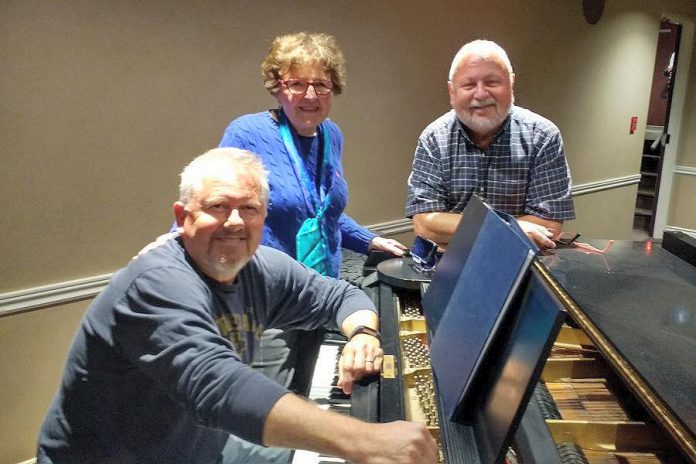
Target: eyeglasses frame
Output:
{"points": [[309, 83]]}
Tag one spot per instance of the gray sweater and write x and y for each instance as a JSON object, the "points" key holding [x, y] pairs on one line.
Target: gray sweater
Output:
{"points": [[157, 371]]}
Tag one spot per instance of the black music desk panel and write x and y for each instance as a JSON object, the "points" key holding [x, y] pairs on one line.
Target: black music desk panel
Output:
{"points": [[463, 334], [491, 320], [484, 232]]}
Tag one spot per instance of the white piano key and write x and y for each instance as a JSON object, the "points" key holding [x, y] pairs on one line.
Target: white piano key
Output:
{"points": [[321, 389], [305, 457], [324, 372]]}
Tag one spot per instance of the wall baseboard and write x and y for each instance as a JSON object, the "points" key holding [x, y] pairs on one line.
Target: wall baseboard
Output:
{"points": [[30, 461]]}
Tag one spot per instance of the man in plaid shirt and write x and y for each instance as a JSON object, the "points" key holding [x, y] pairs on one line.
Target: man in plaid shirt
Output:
{"points": [[509, 156]]}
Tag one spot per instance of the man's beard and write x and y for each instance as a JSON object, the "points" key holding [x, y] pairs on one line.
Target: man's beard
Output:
{"points": [[226, 265], [480, 124]]}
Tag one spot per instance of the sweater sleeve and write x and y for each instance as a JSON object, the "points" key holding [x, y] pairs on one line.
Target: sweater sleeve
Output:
{"points": [[167, 332], [354, 236], [299, 297]]}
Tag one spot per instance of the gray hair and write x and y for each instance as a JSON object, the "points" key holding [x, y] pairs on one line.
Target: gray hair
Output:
{"points": [[484, 49], [218, 160]]}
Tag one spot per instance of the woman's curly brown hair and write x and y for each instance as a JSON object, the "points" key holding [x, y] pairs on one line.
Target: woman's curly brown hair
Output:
{"points": [[303, 48]]}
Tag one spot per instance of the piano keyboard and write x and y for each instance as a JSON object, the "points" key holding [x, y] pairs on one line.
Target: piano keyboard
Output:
{"points": [[326, 395]]}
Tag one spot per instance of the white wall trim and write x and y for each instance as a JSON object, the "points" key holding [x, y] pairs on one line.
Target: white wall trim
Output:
{"points": [[30, 461], [686, 170], [605, 184], [51, 295], [397, 226], [89, 287]]}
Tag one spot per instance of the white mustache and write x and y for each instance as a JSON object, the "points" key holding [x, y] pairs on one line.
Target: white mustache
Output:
{"points": [[482, 103]]}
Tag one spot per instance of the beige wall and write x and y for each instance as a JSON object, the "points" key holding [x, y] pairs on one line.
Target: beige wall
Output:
{"points": [[682, 207], [103, 103], [33, 347], [607, 222], [687, 156], [683, 192]]}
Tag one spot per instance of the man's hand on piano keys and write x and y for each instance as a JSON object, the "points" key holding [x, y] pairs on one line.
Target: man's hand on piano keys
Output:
{"points": [[361, 356]]}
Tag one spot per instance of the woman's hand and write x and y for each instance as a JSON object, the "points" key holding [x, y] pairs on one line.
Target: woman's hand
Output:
{"points": [[159, 241], [389, 245]]}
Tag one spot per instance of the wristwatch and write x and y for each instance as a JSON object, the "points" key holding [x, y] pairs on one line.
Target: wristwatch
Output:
{"points": [[363, 329]]}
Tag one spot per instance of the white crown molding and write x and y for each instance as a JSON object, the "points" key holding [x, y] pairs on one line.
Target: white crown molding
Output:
{"points": [[605, 184]]}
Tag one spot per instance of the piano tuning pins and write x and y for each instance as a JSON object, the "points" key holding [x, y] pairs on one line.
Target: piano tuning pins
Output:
{"points": [[416, 356], [416, 352], [425, 390], [411, 307]]}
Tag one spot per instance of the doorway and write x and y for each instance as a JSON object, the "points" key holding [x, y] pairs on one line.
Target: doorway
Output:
{"points": [[656, 133]]}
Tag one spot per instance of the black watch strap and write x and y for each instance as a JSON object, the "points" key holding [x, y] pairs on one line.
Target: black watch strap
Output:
{"points": [[363, 329]]}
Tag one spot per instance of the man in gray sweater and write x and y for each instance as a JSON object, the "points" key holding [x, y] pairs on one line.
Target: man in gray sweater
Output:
{"points": [[158, 371]]}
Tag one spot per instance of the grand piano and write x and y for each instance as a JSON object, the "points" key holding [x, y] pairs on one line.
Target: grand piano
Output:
{"points": [[617, 385]]}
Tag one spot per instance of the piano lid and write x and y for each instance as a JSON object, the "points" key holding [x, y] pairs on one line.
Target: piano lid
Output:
{"points": [[643, 300]]}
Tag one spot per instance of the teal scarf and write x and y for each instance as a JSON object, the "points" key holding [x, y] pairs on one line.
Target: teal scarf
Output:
{"points": [[311, 240]]}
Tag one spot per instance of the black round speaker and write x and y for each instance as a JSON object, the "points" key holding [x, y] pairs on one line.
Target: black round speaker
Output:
{"points": [[592, 9]]}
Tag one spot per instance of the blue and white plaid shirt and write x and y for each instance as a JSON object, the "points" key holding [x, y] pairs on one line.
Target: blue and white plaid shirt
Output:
{"points": [[523, 171]]}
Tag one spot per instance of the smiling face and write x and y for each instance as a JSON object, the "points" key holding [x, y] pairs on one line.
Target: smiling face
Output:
{"points": [[481, 93], [222, 224], [306, 111]]}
